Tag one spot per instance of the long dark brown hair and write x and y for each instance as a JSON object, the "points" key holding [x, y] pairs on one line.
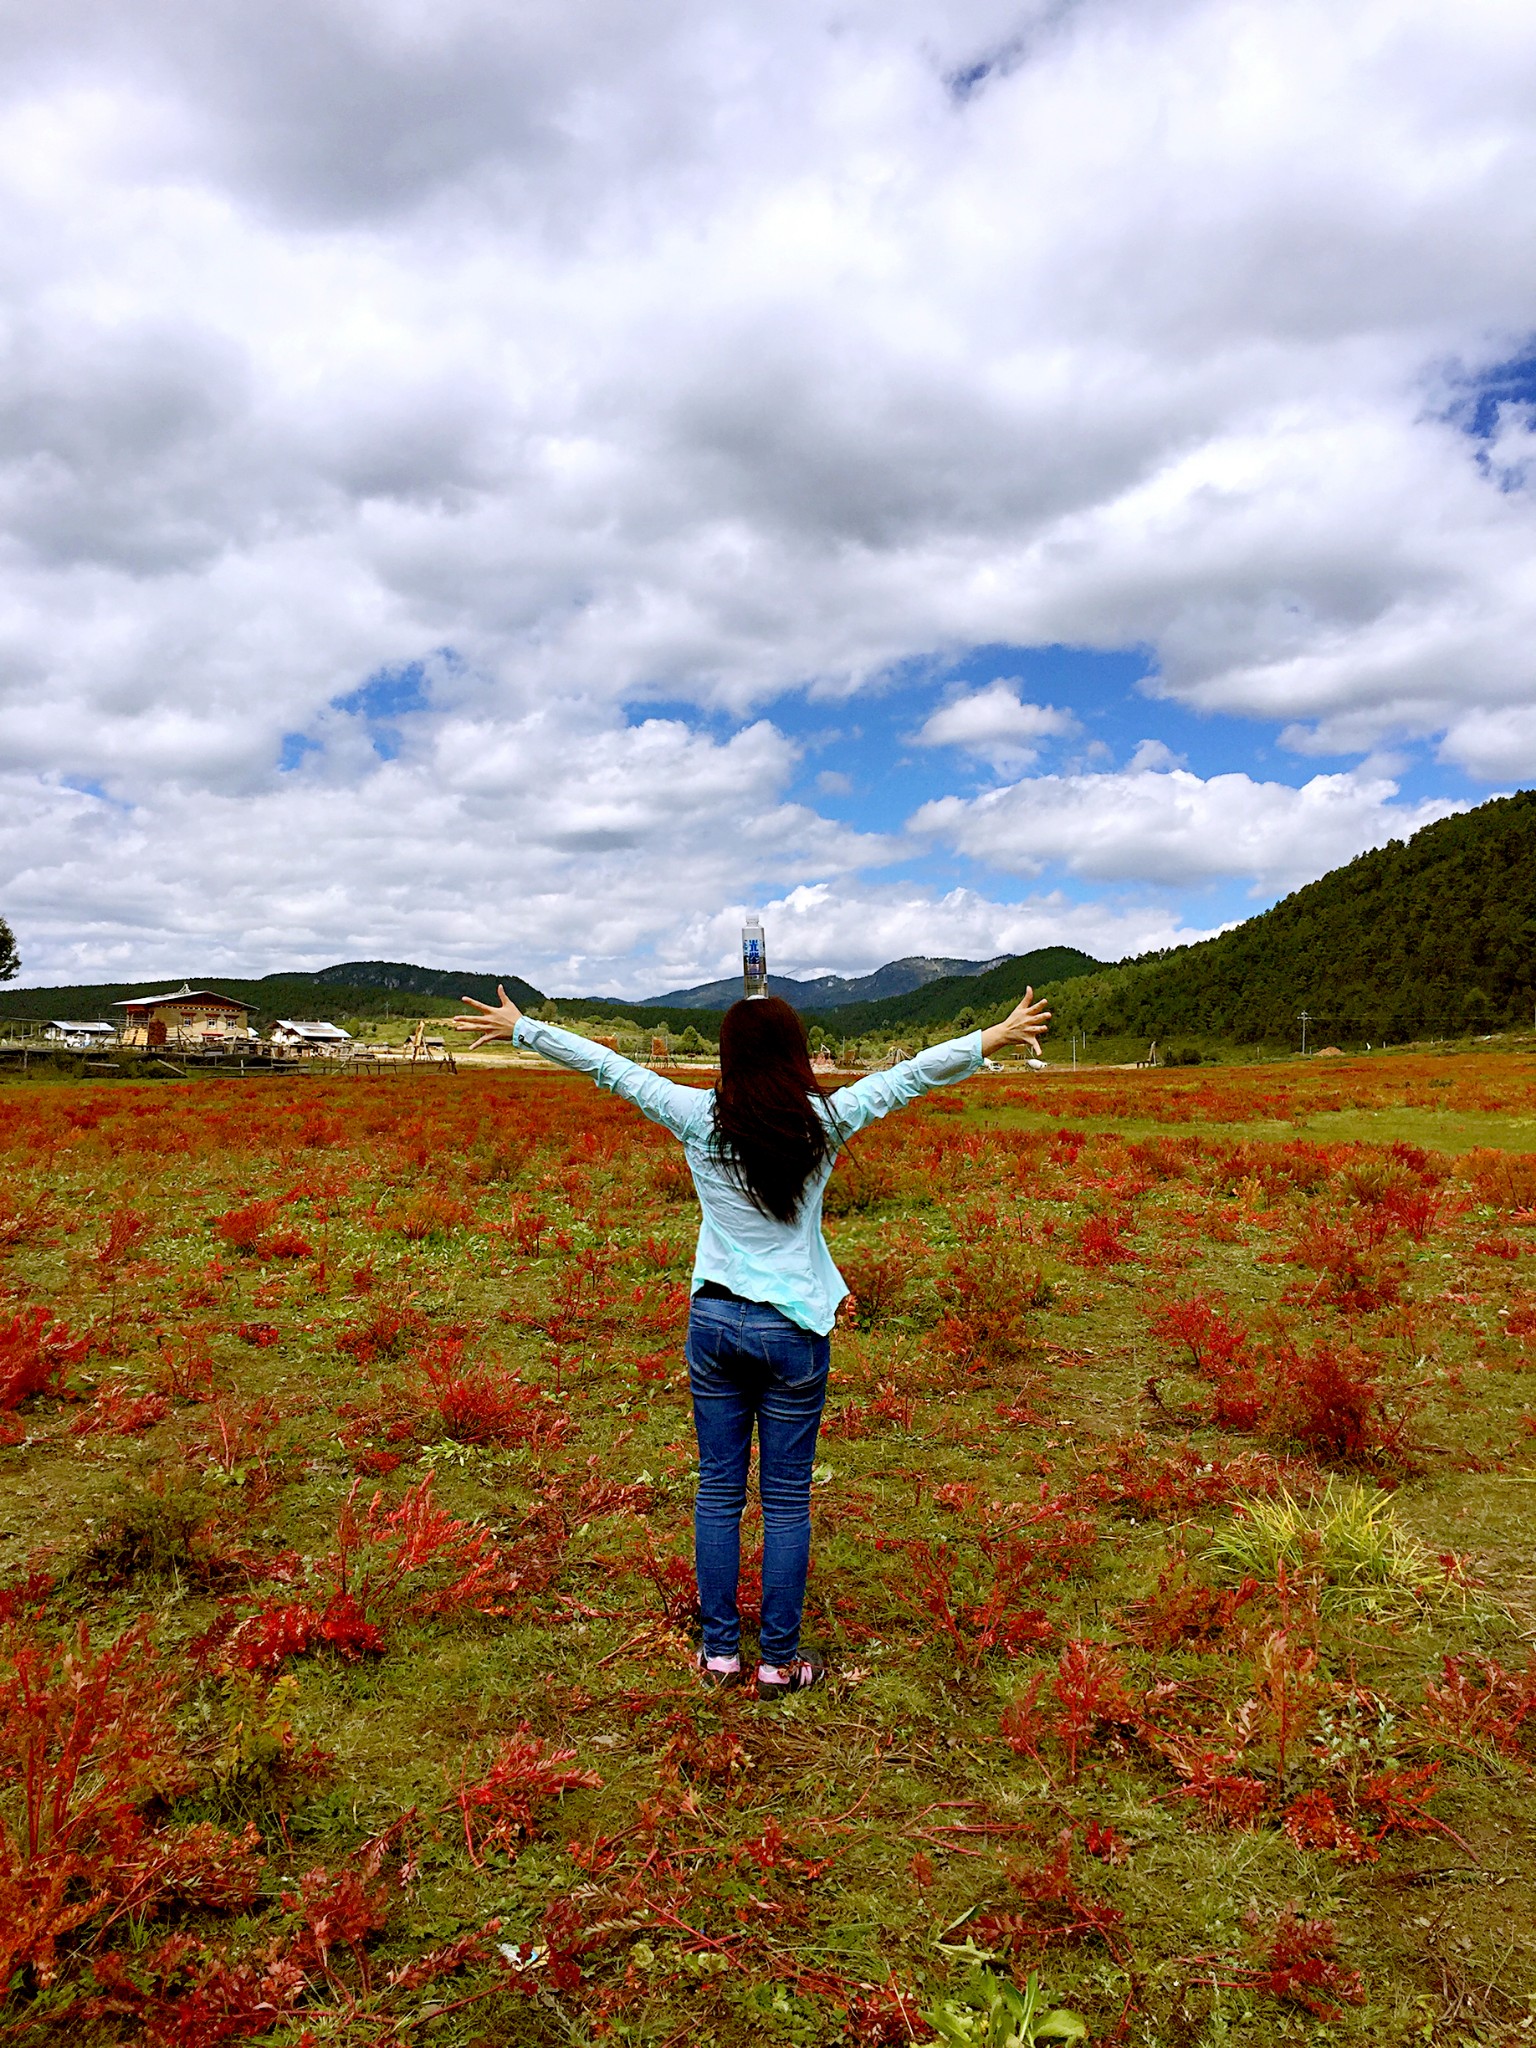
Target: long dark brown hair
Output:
{"points": [[770, 1132]]}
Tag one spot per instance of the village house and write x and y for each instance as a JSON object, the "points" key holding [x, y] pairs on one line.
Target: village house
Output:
{"points": [[297, 1035], [185, 1017], [77, 1036]]}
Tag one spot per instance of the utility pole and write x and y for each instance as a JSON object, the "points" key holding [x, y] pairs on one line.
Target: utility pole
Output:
{"points": [[1305, 1021]]}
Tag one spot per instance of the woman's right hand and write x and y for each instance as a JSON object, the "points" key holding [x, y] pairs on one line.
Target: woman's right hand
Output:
{"points": [[492, 1023], [1024, 1025]]}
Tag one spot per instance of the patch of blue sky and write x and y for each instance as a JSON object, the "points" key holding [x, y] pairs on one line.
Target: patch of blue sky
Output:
{"points": [[1482, 395], [863, 764], [388, 693], [394, 693], [84, 785], [293, 748]]}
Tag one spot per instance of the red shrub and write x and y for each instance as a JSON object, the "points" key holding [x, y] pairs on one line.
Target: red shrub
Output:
{"points": [[346, 1628], [345, 1908], [390, 1326], [266, 1639], [1099, 1242], [978, 1599], [1215, 1346], [1312, 1822], [21, 1219], [1219, 1353], [1328, 1400], [245, 1228], [87, 1738], [432, 1212], [672, 1577], [1492, 1707], [377, 1561], [1183, 1614], [987, 1298], [445, 1961], [286, 1244], [527, 1227], [186, 1993], [1398, 1800], [1300, 1965], [487, 1404], [125, 1414], [498, 1810], [1228, 1796], [125, 1231], [26, 1596], [35, 1354], [1177, 1482], [1053, 1908], [1024, 1725], [877, 1282], [1090, 1688], [1505, 1179], [1414, 1210], [1350, 1276], [1103, 1842]]}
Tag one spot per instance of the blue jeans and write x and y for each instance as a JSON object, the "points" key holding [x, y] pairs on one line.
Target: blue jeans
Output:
{"points": [[748, 1364]]}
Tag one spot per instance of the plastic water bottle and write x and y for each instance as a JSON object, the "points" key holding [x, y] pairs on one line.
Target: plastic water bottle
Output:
{"points": [[754, 960]]}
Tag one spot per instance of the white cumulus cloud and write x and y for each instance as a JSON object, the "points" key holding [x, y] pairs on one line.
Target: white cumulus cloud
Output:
{"points": [[996, 723], [1166, 825]]}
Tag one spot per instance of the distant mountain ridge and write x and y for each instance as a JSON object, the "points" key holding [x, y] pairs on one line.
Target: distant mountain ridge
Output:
{"points": [[917, 990], [994, 990], [829, 991]]}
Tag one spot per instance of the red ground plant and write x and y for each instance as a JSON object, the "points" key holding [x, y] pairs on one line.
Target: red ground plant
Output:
{"points": [[36, 1351], [88, 1742], [498, 1809], [1300, 1963]]}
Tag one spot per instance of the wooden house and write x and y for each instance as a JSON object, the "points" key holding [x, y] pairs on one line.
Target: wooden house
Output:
{"points": [[77, 1036], [299, 1036], [187, 1017]]}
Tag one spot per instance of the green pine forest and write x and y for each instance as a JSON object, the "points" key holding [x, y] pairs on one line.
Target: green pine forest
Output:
{"points": [[1430, 938]]}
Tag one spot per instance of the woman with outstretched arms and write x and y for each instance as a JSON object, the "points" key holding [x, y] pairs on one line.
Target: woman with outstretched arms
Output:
{"points": [[760, 1147]]}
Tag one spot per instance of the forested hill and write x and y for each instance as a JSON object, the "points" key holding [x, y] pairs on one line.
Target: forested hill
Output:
{"points": [[277, 995], [449, 983], [1421, 939]]}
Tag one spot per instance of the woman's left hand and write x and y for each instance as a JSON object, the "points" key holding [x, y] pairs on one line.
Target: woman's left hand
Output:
{"points": [[493, 1023]]}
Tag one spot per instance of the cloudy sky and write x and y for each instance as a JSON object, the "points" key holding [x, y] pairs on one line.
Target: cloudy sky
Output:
{"points": [[514, 486]]}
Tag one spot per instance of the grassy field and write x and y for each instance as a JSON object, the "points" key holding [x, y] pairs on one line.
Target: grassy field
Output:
{"points": [[1173, 1564]]}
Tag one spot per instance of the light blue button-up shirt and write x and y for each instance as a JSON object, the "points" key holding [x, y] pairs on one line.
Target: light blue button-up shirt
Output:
{"points": [[753, 1254]]}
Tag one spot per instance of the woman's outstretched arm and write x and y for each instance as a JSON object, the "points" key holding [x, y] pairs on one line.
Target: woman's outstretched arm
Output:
{"points": [[876, 1095], [683, 1111]]}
